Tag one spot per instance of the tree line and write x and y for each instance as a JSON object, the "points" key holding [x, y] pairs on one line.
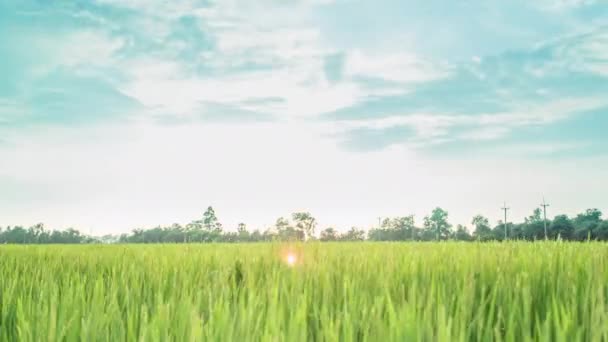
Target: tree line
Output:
{"points": [[37, 234], [302, 226]]}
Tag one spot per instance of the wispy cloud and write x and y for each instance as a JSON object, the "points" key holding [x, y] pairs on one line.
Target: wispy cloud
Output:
{"points": [[560, 5], [488, 99]]}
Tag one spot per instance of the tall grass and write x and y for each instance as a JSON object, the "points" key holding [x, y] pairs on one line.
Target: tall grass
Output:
{"points": [[547, 291]]}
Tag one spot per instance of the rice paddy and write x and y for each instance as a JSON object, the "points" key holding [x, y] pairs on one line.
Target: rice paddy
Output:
{"points": [[516, 291]]}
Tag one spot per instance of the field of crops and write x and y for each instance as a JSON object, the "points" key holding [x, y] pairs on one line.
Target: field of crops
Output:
{"points": [[515, 291]]}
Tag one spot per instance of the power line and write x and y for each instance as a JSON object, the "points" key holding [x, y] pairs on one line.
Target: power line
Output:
{"points": [[506, 209]]}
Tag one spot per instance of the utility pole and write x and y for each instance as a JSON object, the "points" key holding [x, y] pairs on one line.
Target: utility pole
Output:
{"points": [[505, 209], [545, 205]]}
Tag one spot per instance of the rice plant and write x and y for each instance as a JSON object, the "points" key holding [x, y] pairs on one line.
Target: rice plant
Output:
{"points": [[517, 291]]}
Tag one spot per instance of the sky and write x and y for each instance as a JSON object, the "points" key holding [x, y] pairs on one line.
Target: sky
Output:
{"points": [[118, 114]]}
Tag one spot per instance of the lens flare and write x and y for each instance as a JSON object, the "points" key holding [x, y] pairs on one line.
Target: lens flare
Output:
{"points": [[291, 259]]}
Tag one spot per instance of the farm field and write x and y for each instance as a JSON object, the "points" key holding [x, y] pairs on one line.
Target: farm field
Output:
{"points": [[450, 291]]}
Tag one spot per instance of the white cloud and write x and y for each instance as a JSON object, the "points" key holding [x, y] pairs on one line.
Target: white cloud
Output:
{"points": [[246, 35], [181, 96], [87, 48], [260, 50], [167, 9], [526, 114], [560, 5], [11, 110], [541, 148], [581, 52], [78, 51], [434, 128], [485, 133], [400, 67]]}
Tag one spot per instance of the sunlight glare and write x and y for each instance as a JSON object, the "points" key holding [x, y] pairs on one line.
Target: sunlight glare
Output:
{"points": [[291, 259]]}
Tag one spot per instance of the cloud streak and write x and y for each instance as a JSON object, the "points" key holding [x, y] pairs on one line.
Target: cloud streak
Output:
{"points": [[489, 99]]}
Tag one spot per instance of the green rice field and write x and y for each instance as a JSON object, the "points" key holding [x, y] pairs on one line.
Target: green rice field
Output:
{"points": [[516, 291]]}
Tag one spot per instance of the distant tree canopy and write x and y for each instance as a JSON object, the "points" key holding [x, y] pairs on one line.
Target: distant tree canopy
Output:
{"points": [[39, 235], [302, 227]]}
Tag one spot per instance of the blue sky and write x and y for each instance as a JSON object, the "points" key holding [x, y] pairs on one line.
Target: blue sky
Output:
{"points": [[123, 113]]}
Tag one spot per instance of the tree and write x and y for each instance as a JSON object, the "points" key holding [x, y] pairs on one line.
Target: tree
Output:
{"points": [[210, 221], [586, 223], [242, 233], [383, 232], [535, 217], [353, 234], [286, 232], [534, 226], [590, 215], [437, 223], [305, 222], [601, 232], [137, 235], [394, 229], [35, 233], [561, 227], [15, 234], [462, 234], [516, 231], [173, 235], [256, 236], [291, 234], [195, 231], [403, 227], [281, 223], [329, 234], [482, 232]]}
